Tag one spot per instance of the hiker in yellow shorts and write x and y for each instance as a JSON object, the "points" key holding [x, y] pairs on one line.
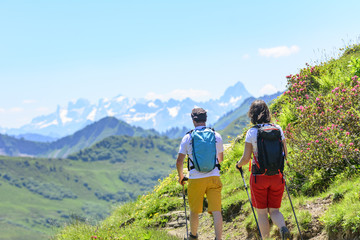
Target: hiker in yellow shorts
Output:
{"points": [[204, 171]]}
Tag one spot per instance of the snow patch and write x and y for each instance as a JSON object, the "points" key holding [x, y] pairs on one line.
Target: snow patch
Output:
{"points": [[139, 117], [120, 99], [63, 117], [223, 104], [110, 112], [91, 115], [78, 110], [55, 122], [152, 105], [174, 111], [235, 100]]}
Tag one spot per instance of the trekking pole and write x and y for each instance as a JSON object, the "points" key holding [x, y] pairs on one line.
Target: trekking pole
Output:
{"points": [[287, 190], [187, 230], [252, 208]]}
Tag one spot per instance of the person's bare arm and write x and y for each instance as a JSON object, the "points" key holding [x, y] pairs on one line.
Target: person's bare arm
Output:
{"points": [[220, 157], [180, 166], [246, 155], [285, 148]]}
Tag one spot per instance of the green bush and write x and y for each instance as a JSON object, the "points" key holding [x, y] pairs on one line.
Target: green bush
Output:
{"points": [[321, 116]]}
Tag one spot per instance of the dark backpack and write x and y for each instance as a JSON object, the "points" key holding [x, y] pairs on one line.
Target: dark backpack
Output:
{"points": [[203, 143], [270, 148]]}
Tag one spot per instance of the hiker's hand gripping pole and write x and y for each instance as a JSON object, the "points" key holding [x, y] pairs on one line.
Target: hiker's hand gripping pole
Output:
{"points": [[183, 183], [252, 208]]}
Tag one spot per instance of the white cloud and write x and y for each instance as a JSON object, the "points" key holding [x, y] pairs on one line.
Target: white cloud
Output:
{"points": [[281, 51], [246, 56], [267, 90], [16, 109], [2, 110], [180, 94]]}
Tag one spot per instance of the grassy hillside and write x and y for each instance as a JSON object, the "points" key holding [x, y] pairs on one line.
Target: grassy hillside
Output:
{"points": [[37, 195], [320, 114]]}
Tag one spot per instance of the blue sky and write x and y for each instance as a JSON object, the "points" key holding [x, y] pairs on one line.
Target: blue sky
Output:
{"points": [[53, 52]]}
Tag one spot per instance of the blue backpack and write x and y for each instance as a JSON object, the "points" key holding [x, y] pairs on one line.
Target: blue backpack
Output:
{"points": [[203, 143]]}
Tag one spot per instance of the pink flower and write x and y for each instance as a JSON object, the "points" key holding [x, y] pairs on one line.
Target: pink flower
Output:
{"points": [[341, 145], [308, 149], [317, 99], [317, 141], [351, 144], [347, 133]]}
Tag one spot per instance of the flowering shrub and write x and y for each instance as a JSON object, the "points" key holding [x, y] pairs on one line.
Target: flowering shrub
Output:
{"points": [[320, 112]]}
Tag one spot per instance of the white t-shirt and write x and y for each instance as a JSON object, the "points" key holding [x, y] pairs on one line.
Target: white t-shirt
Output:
{"points": [[251, 137], [186, 148]]}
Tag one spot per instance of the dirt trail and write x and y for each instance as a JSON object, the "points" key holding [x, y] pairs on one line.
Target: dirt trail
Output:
{"points": [[233, 230]]}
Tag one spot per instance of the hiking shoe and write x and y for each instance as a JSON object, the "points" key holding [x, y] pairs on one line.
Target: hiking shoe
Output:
{"points": [[192, 237], [285, 234]]}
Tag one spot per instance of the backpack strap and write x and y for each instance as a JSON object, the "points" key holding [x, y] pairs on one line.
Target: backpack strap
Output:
{"points": [[193, 167]]}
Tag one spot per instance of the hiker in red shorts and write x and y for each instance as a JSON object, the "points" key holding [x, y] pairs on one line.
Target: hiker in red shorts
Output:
{"points": [[266, 191]]}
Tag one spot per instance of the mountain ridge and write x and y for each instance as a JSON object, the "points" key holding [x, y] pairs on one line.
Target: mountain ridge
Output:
{"points": [[157, 114], [92, 133]]}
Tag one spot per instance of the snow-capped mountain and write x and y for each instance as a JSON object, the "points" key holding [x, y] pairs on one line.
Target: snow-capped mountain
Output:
{"points": [[157, 114]]}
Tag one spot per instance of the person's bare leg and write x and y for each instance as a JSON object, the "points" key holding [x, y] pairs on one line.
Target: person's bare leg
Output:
{"points": [[263, 222], [218, 222], [194, 223], [277, 217]]}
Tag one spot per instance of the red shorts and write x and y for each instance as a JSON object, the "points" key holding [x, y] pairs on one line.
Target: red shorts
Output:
{"points": [[266, 191]]}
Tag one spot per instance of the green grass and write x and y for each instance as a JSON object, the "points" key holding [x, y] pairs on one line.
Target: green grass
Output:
{"points": [[343, 216], [147, 212], [38, 195]]}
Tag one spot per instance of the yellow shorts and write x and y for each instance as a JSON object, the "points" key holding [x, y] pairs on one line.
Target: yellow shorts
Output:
{"points": [[211, 186]]}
